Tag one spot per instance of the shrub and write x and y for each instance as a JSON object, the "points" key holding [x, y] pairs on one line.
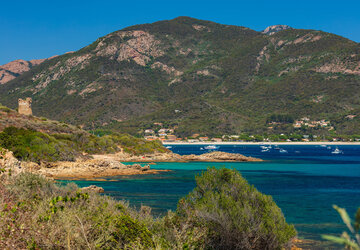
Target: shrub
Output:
{"points": [[30, 145], [222, 212], [39, 214], [234, 213]]}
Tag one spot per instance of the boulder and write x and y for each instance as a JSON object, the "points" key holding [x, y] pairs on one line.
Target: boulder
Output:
{"points": [[93, 188], [145, 168], [9, 163]]}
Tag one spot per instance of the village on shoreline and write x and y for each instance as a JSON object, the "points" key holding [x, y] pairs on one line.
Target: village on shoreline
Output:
{"points": [[260, 143]]}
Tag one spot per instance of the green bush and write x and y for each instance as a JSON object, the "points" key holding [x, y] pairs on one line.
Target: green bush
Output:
{"points": [[222, 212], [39, 214], [30, 145], [234, 213]]}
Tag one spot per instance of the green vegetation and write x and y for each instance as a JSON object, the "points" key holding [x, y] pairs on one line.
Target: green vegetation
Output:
{"points": [[349, 242], [248, 77], [280, 118], [233, 214], [30, 145], [223, 212]]}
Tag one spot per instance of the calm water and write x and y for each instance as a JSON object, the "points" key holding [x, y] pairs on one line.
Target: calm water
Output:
{"points": [[304, 183]]}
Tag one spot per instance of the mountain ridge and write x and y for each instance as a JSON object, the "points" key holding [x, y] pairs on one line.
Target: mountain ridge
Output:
{"points": [[220, 79], [270, 30]]}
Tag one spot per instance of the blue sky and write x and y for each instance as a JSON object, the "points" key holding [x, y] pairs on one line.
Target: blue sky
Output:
{"points": [[40, 29]]}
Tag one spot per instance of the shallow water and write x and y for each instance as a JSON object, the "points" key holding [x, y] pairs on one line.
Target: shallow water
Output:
{"points": [[305, 183]]}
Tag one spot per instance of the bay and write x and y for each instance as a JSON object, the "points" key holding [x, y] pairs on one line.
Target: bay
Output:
{"points": [[305, 181]]}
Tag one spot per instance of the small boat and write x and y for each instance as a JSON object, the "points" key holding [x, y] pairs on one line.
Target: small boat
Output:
{"points": [[211, 147], [283, 151], [168, 147], [323, 146], [201, 148], [328, 147], [265, 150], [337, 151]]}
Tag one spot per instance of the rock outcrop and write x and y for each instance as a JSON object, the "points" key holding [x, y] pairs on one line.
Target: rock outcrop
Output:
{"points": [[219, 157], [81, 169], [172, 157], [89, 169], [275, 28], [93, 188], [15, 68], [8, 163]]}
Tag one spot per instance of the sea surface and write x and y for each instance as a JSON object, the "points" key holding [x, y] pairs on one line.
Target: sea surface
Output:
{"points": [[305, 181]]}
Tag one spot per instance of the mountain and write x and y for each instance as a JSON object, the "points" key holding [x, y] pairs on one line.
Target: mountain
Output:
{"points": [[200, 77], [275, 28], [15, 68]]}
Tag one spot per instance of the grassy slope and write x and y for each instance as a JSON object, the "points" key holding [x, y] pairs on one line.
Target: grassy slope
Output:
{"points": [[38, 139]]}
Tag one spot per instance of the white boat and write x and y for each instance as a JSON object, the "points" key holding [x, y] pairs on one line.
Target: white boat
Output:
{"points": [[337, 151], [265, 150], [211, 147], [168, 147], [328, 147], [323, 145], [201, 148], [283, 151]]}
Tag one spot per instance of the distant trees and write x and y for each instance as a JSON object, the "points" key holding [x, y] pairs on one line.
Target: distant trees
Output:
{"points": [[282, 118]]}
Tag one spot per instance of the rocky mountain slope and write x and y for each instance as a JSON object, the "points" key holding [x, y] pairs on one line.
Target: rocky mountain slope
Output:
{"points": [[200, 76], [275, 28], [15, 68]]}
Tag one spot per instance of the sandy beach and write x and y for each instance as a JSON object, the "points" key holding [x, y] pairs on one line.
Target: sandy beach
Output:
{"points": [[261, 143]]}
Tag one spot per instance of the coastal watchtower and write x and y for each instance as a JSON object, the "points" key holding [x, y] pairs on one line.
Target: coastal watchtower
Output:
{"points": [[25, 106]]}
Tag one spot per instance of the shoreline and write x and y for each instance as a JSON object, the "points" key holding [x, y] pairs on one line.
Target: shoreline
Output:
{"points": [[261, 143]]}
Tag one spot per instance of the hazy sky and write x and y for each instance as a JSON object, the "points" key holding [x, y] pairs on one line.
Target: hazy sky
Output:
{"points": [[40, 29]]}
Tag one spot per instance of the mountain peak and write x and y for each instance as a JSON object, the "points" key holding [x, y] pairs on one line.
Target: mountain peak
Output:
{"points": [[275, 28]]}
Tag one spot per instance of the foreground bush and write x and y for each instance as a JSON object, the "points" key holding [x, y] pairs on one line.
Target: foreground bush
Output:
{"points": [[223, 212], [232, 214], [36, 213]]}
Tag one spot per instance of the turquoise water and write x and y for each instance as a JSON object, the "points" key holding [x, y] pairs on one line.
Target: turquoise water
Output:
{"points": [[304, 183]]}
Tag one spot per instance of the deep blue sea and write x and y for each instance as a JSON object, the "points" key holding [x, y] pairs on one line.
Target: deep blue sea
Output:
{"points": [[305, 182]]}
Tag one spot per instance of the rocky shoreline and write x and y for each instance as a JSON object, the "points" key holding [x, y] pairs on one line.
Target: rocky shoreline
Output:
{"points": [[110, 165], [80, 169], [215, 156]]}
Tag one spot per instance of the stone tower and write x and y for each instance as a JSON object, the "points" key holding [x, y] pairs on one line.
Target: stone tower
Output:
{"points": [[25, 106]]}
